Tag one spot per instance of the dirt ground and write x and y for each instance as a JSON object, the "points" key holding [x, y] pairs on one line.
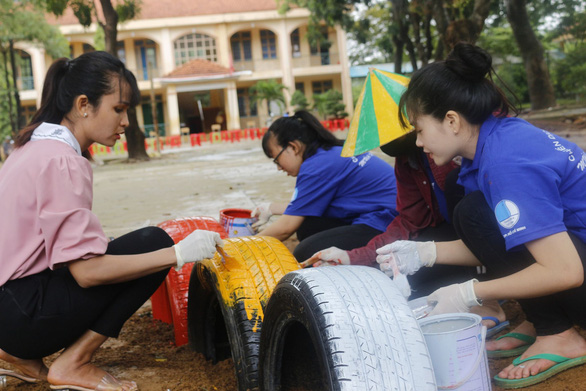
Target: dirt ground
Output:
{"points": [[201, 182]]}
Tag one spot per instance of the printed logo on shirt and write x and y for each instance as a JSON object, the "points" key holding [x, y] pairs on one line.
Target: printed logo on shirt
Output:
{"points": [[294, 196], [362, 162], [507, 213], [582, 163]]}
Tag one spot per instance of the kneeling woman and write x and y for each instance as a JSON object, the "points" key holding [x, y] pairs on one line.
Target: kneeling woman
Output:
{"points": [[62, 285], [524, 215], [337, 201]]}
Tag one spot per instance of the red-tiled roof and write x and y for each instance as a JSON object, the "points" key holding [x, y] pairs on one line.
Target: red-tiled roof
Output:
{"points": [[198, 68], [152, 9]]}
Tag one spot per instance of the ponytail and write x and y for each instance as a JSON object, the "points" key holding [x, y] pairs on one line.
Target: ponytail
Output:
{"points": [[304, 128], [93, 74]]}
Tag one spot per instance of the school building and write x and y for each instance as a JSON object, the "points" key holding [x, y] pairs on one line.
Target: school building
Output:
{"points": [[201, 57]]}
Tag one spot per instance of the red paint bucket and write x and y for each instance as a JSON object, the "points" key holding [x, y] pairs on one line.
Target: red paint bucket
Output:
{"points": [[237, 222]]}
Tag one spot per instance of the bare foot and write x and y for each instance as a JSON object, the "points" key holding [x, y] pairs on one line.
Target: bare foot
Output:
{"points": [[567, 344], [73, 367], [86, 375], [509, 342], [32, 368], [490, 308]]}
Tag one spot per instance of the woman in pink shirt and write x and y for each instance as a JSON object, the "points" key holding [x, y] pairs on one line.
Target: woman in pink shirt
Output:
{"points": [[62, 285]]}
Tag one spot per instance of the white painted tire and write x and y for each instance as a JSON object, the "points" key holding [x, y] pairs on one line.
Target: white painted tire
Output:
{"points": [[342, 328]]}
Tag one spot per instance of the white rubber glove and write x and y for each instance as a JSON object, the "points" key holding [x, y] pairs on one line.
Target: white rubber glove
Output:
{"points": [[197, 246], [410, 256], [332, 256], [263, 213], [454, 298]]}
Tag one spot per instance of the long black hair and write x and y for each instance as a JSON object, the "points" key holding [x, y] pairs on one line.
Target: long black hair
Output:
{"points": [[304, 128], [459, 83], [93, 74]]}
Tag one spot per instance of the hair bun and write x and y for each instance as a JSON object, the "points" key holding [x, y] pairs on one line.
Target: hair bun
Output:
{"points": [[469, 62]]}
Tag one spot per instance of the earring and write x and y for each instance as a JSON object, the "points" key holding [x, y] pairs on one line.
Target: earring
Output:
{"points": [[84, 115]]}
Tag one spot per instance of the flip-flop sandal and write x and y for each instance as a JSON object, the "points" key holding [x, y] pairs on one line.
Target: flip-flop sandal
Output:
{"points": [[64, 387], [16, 375], [70, 388], [528, 339], [563, 363], [498, 326]]}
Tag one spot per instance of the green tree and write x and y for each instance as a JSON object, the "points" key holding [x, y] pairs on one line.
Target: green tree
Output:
{"points": [[512, 79], [402, 27], [112, 14], [21, 21], [299, 100], [541, 93], [330, 104], [527, 20], [269, 91]]}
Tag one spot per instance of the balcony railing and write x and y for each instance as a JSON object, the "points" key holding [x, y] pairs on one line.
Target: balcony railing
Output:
{"points": [[319, 59], [25, 83], [142, 74], [149, 130], [316, 60]]}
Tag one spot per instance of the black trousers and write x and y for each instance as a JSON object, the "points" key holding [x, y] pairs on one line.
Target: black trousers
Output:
{"points": [[46, 312], [476, 225], [319, 233]]}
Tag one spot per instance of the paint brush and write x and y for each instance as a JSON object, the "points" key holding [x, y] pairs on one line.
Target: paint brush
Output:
{"points": [[226, 259], [309, 262]]}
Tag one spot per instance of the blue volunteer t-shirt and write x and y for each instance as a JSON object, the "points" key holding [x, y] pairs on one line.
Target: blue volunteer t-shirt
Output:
{"points": [[357, 190], [534, 181]]}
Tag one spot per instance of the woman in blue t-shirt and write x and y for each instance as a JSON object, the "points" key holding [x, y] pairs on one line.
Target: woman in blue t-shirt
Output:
{"points": [[524, 215], [337, 201]]}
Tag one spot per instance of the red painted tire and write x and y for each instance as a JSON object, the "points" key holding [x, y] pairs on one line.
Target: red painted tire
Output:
{"points": [[169, 302]]}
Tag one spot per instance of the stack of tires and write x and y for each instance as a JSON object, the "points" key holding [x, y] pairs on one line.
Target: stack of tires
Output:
{"points": [[332, 328]]}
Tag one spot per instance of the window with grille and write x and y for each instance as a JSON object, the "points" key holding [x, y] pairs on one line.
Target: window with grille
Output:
{"points": [[319, 87], [192, 46], [146, 57], [241, 44], [300, 86], [268, 43], [25, 71], [295, 44], [245, 106]]}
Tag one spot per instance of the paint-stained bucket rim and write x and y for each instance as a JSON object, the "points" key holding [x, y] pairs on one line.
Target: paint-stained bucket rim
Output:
{"points": [[236, 213]]}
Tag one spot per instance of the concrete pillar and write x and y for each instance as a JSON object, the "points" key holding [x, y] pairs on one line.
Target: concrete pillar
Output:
{"points": [[345, 75], [285, 57], [173, 111], [167, 53], [39, 70], [231, 106], [131, 57], [223, 45]]}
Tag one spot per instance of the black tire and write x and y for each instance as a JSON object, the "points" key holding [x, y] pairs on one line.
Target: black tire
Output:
{"points": [[227, 301], [342, 328]]}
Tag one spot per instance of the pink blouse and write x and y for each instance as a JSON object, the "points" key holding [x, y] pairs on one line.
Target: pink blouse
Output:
{"points": [[45, 210]]}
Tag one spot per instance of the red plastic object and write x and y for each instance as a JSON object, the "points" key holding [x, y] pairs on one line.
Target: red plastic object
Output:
{"points": [[169, 302]]}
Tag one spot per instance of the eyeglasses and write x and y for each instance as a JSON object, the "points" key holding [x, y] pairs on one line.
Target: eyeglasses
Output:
{"points": [[276, 159]]}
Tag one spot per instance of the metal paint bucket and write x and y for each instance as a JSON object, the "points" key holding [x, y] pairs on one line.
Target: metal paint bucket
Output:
{"points": [[456, 344], [237, 222]]}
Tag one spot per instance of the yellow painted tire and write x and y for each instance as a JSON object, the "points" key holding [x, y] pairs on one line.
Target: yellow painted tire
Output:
{"points": [[227, 298]]}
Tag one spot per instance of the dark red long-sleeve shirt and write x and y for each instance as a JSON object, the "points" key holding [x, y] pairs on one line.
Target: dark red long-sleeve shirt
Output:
{"points": [[416, 203]]}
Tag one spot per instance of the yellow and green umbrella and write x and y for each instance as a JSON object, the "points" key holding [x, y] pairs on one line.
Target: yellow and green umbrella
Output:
{"points": [[376, 117]]}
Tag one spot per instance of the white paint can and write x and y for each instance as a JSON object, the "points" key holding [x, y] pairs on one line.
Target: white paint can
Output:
{"points": [[456, 344]]}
